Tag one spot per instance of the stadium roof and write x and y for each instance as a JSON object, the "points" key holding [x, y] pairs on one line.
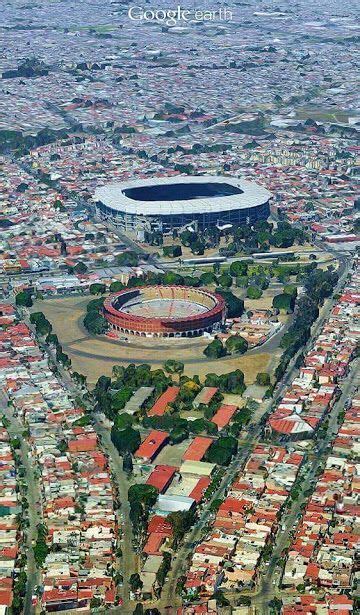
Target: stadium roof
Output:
{"points": [[112, 195]]}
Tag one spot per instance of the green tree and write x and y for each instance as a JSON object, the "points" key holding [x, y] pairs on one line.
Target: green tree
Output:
{"points": [[122, 421], [222, 450], [197, 426], [235, 306], [207, 279], [198, 247], [40, 548], [232, 382], [23, 298], [242, 281], [253, 292], [95, 602], [215, 350], [221, 601], [187, 238], [239, 268], [172, 279], [275, 605], [125, 440], [283, 302], [97, 289], [135, 582], [62, 357], [80, 268], [95, 323], [128, 463], [172, 251], [263, 379], [79, 378], [290, 289], [116, 286], [95, 305], [42, 325], [171, 366], [211, 428], [225, 280], [164, 569], [243, 601], [127, 259], [146, 495], [120, 398], [178, 435], [181, 522], [236, 344], [52, 339]]}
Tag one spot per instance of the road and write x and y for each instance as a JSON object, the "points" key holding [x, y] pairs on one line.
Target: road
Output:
{"points": [[128, 560], [16, 429], [168, 596], [169, 592], [268, 585]]}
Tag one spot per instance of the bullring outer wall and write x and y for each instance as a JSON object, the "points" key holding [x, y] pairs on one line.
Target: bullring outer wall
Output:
{"points": [[213, 318]]}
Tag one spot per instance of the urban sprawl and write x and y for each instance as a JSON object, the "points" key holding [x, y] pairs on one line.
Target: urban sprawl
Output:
{"points": [[216, 472]]}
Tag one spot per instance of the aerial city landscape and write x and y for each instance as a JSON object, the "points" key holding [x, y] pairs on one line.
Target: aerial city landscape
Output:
{"points": [[179, 308]]}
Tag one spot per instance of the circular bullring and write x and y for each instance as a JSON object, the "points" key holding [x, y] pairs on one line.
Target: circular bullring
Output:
{"points": [[164, 311]]}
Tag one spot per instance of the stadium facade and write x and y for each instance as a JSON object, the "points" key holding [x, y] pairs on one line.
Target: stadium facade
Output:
{"points": [[165, 311], [168, 203]]}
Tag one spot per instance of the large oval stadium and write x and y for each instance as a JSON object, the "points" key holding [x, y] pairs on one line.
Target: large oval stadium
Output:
{"points": [[164, 311], [167, 203]]}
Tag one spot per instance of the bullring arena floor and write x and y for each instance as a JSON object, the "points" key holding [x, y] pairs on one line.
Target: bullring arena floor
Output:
{"points": [[163, 308]]}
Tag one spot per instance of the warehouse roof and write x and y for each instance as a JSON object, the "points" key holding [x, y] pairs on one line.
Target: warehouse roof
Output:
{"points": [[198, 468]]}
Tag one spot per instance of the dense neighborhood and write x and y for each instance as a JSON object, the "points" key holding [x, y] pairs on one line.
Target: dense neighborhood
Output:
{"points": [[179, 309]]}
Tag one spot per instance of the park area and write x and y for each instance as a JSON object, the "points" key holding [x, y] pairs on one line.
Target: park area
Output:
{"points": [[94, 356]]}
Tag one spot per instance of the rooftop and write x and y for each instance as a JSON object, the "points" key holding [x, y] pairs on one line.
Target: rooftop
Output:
{"points": [[239, 194]]}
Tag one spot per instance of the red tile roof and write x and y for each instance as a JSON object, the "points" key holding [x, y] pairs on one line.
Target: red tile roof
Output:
{"points": [[152, 445], [197, 449], [153, 543], [200, 488], [161, 477], [160, 406], [224, 415], [161, 525]]}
